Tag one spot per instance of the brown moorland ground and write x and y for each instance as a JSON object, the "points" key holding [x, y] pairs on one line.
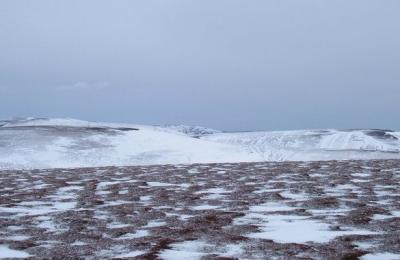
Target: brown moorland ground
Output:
{"points": [[289, 210]]}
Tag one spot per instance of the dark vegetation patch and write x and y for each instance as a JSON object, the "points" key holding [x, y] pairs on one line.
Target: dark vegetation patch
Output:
{"points": [[381, 134]]}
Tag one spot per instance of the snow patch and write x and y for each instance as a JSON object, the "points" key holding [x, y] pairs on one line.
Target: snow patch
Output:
{"points": [[6, 252]]}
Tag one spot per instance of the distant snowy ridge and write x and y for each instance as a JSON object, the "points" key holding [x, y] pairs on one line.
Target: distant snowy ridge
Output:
{"points": [[64, 143], [193, 131], [306, 145], [69, 122]]}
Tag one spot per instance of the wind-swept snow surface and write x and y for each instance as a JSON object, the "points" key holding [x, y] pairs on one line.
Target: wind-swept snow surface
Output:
{"points": [[73, 143], [314, 145], [53, 143]]}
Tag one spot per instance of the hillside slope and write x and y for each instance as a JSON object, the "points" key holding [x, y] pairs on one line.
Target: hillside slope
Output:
{"points": [[54, 143], [306, 145]]}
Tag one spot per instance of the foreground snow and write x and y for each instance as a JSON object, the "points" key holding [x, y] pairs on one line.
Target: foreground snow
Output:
{"points": [[53, 143], [291, 210]]}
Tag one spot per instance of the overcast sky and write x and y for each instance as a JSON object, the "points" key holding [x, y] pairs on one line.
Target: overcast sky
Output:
{"points": [[226, 64]]}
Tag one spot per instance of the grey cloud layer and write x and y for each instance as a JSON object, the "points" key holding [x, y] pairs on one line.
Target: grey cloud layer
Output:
{"points": [[226, 64]]}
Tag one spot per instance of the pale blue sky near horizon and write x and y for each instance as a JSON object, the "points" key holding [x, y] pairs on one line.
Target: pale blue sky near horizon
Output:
{"points": [[226, 64]]}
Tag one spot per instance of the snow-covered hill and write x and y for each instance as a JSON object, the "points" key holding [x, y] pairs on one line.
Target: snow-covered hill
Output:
{"points": [[311, 145], [193, 131], [49, 143]]}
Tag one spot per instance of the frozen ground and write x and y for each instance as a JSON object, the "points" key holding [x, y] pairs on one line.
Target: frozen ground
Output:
{"points": [[313, 210], [55, 143]]}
